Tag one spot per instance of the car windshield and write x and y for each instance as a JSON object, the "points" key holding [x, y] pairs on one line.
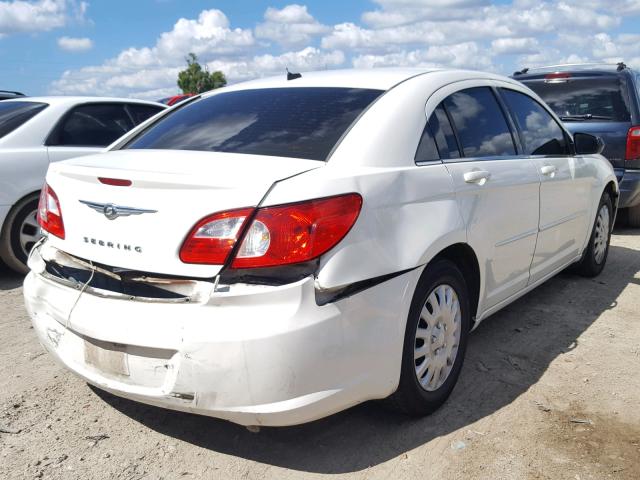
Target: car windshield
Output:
{"points": [[577, 99], [295, 122], [14, 114]]}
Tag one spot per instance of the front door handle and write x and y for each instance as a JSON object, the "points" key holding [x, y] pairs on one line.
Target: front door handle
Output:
{"points": [[548, 170], [477, 176]]}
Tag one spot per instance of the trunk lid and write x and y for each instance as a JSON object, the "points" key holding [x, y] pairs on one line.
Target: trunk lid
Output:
{"points": [[175, 188]]}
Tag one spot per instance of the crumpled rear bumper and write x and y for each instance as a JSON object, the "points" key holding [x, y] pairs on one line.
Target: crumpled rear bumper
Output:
{"points": [[254, 355]]}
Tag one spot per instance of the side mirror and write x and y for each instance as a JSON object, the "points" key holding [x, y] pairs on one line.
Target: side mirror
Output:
{"points": [[587, 144]]}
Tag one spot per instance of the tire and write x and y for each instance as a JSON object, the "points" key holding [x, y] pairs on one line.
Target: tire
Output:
{"points": [[633, 216], [13, 246], [412, 397], [594, 257]]}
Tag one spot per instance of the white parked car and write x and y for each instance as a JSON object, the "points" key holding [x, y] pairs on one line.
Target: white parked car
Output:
{"points": [[35, 131], [276, 251]]}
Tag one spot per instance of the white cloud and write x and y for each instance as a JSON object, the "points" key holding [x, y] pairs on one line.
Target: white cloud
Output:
{"points": [[509, 46], [291, 26], [21, 16], [71, 44]]}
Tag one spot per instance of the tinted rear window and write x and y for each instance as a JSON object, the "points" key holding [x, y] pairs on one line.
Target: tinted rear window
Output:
{"points": [[605, 97], [14, 114], [285, 122]]}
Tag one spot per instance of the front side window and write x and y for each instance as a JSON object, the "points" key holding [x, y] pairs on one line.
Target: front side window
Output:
{"points": [[303, 122], [15, 114], [585, 99], [480, 124], [541, 134], [92, 125]]}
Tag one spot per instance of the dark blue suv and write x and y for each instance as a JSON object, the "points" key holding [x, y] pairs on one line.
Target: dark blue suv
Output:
{"points": [[603, 100]]}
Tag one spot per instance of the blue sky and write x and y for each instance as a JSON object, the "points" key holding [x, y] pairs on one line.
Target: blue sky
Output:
{"points": [[136, 47]]}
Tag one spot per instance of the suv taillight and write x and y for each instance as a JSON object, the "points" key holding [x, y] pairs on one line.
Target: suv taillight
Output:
{"points": [[50, 213], [633, 144], [279, 235]]}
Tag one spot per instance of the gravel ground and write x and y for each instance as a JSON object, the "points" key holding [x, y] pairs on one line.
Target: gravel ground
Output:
{"points": [[550, 390]]}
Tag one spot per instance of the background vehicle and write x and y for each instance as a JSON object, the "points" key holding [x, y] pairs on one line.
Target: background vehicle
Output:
{"points": [[603, 100], [35, 131], [6, 94], [171, 101], [275, 251]]}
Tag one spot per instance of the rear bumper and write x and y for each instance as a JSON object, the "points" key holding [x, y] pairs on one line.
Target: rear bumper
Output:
{"points": [[629, 181], [254, 355]]}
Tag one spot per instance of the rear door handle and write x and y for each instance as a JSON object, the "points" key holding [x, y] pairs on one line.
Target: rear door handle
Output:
{"points": [[477, 176], [548, 170]]}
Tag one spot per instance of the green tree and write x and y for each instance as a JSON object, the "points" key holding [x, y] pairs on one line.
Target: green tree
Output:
{"points": [[195, 79]]}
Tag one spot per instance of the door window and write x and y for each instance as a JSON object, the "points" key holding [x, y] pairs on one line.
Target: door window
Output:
{"points": [[443, 134], [480, 123], [541, 134], [92, 125]]}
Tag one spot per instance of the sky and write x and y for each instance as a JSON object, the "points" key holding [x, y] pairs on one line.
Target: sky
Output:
{"points": [[136, 48]]}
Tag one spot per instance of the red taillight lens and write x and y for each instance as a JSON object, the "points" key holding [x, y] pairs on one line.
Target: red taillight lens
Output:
{"points": [[557, 76], [212, 239], [50, 213], [298, 232], [633, 144], [279, 235], [116, 182]]}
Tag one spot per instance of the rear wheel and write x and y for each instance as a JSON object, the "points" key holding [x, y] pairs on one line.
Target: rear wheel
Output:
{"points": [[595, 256], [20, 232], [633, 216], [435, 340]]}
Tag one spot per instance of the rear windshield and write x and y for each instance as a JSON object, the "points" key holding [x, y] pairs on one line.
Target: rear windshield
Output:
{"points": [[285, 122], [603, 98], [14, 114]]}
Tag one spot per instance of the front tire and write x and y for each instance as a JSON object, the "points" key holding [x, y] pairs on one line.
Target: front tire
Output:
{"points": [[435, 340], [595, 256], [19, 233]]}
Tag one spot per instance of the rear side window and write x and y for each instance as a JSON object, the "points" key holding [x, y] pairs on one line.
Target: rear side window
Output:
{"points": [[480, 124], [427, 150], [443, 134], [140, 113], [92, 125], [599, 98], [15, 114], [286, 122], [541, 135]]}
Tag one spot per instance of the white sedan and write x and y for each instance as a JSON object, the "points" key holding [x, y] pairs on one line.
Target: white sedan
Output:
{"points": [[279, 250], [35, 131]]}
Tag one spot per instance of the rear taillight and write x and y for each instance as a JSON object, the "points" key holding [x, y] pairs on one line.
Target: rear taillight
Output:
{"points": [[50, 213], [279, 235], [633, 144], [557, 77]]}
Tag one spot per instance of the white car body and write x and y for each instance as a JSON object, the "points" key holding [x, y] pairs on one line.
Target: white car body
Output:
{"points": [[287, 354], [25, 155]]}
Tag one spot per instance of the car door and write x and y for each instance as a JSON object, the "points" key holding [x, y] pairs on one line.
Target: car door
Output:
{"points": [[565, 187], [87, 129], [497, 191]]}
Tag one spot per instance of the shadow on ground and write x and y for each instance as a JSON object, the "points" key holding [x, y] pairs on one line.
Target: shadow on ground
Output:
{"points": [[9, 279], [507, 355]]}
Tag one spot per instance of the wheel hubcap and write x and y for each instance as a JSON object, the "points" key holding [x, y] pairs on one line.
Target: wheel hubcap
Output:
{"points": [[601, 239], [437, 337], [29, 232]]}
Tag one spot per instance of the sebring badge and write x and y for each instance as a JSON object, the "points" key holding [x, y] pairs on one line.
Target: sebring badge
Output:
{"points": [[112, 211]]}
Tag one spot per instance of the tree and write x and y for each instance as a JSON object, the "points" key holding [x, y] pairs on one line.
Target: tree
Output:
{"points": [[195, 79]]}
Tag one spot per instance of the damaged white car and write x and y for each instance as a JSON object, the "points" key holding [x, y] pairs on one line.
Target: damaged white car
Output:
{"points": [[279, 250]]}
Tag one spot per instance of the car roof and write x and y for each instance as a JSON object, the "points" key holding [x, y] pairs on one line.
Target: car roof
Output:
{"points": [[374, 78], [72, 100]]}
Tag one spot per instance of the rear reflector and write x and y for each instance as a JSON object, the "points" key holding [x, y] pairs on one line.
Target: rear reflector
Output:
{"points": [[279, 235], [50, 213], [116, 182], [633, 144]]}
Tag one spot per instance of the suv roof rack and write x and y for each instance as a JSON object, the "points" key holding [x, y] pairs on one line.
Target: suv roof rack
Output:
{"points": [[572, 66]]}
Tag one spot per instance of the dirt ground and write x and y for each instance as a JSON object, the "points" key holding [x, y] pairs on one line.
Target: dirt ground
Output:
{"points": [[550, 390]]}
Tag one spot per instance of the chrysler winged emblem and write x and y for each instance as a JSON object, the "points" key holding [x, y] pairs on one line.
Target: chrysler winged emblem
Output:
{"points": [[112, 211]]}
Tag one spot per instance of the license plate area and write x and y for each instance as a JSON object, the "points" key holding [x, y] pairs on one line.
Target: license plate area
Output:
{"points": [[108, 358]]}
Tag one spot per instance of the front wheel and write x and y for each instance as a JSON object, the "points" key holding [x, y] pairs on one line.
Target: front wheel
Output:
{"points": [[435, 340], [595, 256]]}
